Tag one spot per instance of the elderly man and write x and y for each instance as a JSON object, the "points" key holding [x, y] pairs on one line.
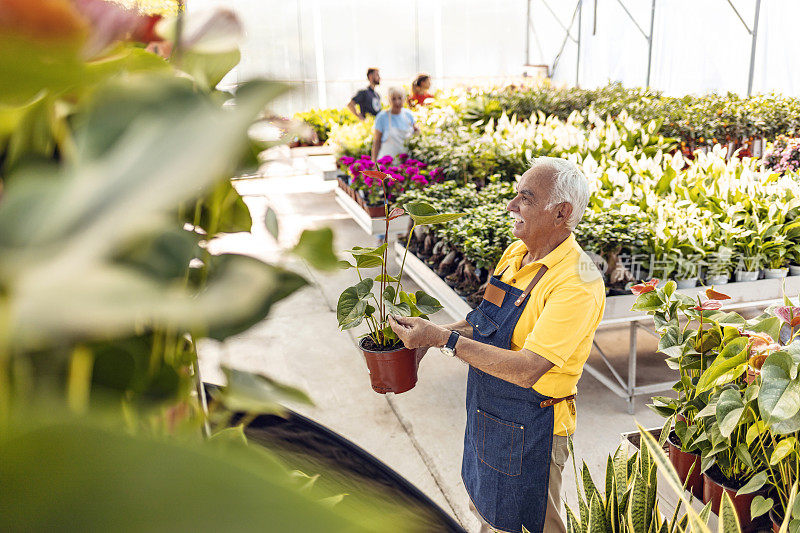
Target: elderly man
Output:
{"points": [[526, 345]]}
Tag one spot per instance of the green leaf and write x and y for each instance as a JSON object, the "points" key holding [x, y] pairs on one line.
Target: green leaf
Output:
{"points": [[729, 411], [729, 365], [770, 325], [58, 249], [760, 506], [352, 304], [271, 222], [779, 396], [728, 519], [257, 393], [126, 477], [316, 247], [755, 483], [387, 278], [649, 301], [597, 515], [424, 214], [368, 257], [782, 450], [427, 304], [388, 293], [402, 308]]}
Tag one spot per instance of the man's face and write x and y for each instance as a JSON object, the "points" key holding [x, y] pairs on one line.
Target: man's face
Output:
{"points": [[529, 207], [375, 78]]}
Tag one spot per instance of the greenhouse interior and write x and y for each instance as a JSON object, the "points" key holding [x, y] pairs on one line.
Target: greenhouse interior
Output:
{"points": [[257, 259]]}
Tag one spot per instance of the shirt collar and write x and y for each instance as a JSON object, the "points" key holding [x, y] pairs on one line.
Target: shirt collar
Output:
{"points": [[554, 257]]}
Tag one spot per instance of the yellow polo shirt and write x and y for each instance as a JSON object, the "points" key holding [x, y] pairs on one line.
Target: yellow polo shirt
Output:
{"points": [[560, 318]]}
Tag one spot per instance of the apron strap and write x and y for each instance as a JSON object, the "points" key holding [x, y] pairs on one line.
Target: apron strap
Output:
{"points": [[531, 285], [554, 401], [500, 275]]}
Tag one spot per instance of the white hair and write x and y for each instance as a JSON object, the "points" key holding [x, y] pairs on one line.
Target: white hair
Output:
{"points": [[569, 185], [397, 91]]}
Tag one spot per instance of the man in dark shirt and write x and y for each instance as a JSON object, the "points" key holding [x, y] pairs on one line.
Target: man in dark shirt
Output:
{"points": [[369, 101]]}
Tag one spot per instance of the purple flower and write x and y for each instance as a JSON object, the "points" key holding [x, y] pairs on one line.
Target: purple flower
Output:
{"points": [[386, 160], [402, 157]]}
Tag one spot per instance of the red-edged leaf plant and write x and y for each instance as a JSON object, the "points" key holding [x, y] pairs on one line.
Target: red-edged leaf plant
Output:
{"points": [[361, 303]]}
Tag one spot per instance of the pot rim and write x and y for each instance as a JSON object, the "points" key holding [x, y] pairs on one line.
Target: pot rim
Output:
{"points": [[710, 474], [677, 444], [384, 352]]}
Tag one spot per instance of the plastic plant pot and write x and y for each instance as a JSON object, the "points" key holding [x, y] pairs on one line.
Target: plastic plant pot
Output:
{"points": [[713, 487], [683, 461], [742, 275], [722, 279], [375, 211], [776, 273], [688, 283], [391, 371], [794, 270]]}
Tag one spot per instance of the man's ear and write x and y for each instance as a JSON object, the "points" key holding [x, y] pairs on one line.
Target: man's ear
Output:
{"points": [[563, 212]]}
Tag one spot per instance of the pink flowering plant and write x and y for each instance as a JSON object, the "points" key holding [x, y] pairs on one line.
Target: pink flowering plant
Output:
{"points": [[784, 156], [406, 174]]}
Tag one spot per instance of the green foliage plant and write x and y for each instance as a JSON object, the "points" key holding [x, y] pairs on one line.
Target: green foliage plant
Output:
{"points": [[355, 304], [107, 286]]}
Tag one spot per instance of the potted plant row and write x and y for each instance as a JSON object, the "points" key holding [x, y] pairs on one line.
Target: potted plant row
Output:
{"points": [[392, 367], [370, 193], [737, 411]]}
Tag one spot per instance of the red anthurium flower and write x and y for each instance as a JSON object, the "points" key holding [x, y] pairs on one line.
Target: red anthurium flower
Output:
{"points": [[757, 361], [790, 315], [377, 175], [396, 212], [708, 305], [714, 295], [647, 286], [760, 342]]}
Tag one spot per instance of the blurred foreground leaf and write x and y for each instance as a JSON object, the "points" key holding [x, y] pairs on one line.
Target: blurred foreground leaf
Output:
{"points": [[82, 477]]}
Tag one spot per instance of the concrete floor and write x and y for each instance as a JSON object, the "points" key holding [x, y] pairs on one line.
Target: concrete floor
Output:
{"points": [[418, 433]]}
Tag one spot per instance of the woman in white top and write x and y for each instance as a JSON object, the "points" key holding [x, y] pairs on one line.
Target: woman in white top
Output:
{"points": [[393, 127]]}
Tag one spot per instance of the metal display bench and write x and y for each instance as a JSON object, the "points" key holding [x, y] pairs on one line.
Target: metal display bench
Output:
{"points": [[372, 226], [750, 294]]}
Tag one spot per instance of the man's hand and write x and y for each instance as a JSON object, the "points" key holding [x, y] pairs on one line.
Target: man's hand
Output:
{"points": [[418, 333]]}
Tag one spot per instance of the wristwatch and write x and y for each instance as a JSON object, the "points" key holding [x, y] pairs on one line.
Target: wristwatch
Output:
{"points": [[450, 347]]}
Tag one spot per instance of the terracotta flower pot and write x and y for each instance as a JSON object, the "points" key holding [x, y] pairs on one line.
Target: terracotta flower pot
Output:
{"points": [[713, 487], [393, 371], [683, 461]]}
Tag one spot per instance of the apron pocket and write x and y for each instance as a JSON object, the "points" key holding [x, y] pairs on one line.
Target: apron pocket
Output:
{"points": [[484, 325], [499, 443]]}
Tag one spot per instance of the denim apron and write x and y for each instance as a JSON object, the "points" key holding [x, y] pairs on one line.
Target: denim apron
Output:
{"points": [[509, 436]]}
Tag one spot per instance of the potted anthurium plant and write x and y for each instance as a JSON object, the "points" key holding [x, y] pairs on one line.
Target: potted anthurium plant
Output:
{"points": [[738, 407], [392, 367]]}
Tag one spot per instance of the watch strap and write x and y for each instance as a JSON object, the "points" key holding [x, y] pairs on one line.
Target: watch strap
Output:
{"points": [[451, 342]]}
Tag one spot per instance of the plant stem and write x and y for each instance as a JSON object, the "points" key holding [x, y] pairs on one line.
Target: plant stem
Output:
{"points": [[405, 253], [384, 270]]}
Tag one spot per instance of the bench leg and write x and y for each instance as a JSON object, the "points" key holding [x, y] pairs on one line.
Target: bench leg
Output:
{"points": [[632, 367]]}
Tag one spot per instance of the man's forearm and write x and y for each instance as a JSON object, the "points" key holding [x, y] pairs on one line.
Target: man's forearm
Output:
{"points": [[523, 367], [462, 327]]}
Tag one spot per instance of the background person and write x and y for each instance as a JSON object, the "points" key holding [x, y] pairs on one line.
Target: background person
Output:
{"points": [[420, 88], [367, 99], [393, 127], [526, 345]]}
